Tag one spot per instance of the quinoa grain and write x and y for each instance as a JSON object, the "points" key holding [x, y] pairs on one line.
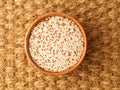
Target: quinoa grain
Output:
{"points": [[56, 44]]}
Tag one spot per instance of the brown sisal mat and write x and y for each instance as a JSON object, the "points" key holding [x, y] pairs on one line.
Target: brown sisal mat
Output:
{"points": [[100, 69]]}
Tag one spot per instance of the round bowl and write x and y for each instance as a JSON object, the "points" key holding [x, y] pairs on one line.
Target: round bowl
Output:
{"points": [[28, 36]]}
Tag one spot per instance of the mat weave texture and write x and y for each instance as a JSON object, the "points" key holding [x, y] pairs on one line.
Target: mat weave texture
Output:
{"points": [[100, 69]]}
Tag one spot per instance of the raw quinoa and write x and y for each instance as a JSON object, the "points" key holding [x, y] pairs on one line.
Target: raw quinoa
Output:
{"points": [[56, 44]]}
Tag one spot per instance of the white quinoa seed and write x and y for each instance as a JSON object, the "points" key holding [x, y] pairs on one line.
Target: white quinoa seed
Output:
{"points": [[56, 44]]}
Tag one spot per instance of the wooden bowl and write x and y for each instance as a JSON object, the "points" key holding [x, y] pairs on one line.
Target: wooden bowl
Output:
{"points": [[28, 36]]}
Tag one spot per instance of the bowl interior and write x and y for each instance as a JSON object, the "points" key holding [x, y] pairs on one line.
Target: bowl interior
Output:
{"points": [[29, 33]]}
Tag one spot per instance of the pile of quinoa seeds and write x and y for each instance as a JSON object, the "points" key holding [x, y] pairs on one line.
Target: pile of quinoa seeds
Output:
{"points": [[56, 44]]}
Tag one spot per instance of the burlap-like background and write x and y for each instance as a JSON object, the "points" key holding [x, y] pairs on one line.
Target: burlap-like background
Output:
{"points": [[100, 69]]}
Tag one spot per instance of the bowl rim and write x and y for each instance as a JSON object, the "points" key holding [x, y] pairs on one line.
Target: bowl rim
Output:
{"points": [[35, 22]]}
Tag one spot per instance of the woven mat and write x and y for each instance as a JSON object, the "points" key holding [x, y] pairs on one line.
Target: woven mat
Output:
{"points": [[100, 69]]}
